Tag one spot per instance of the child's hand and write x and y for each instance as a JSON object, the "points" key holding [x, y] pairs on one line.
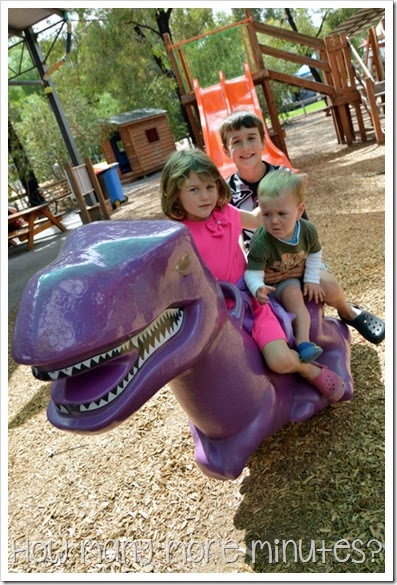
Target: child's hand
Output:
{"points": [[313, 292], [262, 292]]}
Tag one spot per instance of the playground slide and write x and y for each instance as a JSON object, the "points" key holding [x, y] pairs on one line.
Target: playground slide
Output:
{"points": [[215, 102]]}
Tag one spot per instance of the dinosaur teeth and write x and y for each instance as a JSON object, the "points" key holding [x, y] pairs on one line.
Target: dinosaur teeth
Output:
{"points": [[147, 342], [161, 329], [111, 396]]}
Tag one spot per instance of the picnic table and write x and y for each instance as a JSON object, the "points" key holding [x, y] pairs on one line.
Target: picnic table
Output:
{"points": [[38, 219]]}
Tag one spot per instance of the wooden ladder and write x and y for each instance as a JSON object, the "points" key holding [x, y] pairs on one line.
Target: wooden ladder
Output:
{"points": [[372, 93]]}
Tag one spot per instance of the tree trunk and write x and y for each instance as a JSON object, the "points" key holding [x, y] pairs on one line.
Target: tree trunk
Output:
{"points": [[163, 25], [24, 168], [291, 22]]}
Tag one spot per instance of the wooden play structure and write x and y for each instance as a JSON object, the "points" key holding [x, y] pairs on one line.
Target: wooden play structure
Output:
{"points": [[369, 70], [349, 96], [141, 141]]}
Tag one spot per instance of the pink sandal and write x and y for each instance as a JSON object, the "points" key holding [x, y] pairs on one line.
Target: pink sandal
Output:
{"points": [[328, 383]]}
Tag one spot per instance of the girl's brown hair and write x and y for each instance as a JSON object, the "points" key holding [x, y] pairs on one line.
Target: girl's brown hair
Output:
{"points": [[180, 165]]}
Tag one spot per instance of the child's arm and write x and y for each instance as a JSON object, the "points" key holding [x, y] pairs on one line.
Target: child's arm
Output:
{"points": [[251, 220], [311, 278], [254, 279]]}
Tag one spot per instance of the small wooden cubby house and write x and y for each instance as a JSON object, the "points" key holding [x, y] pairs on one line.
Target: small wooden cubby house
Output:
{"points": [[140, 141]]}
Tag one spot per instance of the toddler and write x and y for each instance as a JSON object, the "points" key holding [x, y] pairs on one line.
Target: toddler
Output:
{"points": [[285, 255]]}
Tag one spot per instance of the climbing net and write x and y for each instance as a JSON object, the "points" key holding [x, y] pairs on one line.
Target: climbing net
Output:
{"points": [[201, 58]]}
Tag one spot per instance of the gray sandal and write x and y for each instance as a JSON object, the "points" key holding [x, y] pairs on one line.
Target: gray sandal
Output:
{"points": [[372, 328]]}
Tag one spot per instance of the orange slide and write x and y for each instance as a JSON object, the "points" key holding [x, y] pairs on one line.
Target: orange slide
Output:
{"points": [[215, 102]]}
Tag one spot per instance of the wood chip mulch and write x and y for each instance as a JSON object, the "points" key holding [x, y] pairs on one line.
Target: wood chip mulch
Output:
{"points": [[133, 501]]}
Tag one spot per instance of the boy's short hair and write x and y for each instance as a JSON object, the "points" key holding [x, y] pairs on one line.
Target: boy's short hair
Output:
{"points": [[240, 119], [276, 181], [178, 168]]}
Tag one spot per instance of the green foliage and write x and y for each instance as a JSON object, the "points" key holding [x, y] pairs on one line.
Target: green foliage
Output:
{"points": [[20, 67], [226, 51], [119, 63], [336, 17], [133, 68], [190, 22], [37, 127], [261, 14], [223, 18]]}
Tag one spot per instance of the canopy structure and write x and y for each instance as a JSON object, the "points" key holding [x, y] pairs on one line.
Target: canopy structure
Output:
{"points": [[20, 24], [360, 21], [20, 19]]}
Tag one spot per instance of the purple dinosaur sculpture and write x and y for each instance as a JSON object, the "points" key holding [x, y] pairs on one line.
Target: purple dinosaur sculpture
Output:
{"points": [[127, 307]]}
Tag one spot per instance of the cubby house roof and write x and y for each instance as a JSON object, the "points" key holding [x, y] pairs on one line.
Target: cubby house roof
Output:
{"points": [[134, 116]]}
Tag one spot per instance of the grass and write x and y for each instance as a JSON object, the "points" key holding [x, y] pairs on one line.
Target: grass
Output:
{"points": [[304, 111]]}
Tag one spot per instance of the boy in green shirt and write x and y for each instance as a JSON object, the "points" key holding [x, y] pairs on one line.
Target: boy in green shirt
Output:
{"points": [[285, 251]]}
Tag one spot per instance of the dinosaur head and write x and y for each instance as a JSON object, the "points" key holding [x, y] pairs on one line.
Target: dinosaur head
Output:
{"points": [[126, 307]]}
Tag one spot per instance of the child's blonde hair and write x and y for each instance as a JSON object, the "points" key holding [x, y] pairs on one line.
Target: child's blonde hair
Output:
{"points": [[274, 182], [178, 168]]}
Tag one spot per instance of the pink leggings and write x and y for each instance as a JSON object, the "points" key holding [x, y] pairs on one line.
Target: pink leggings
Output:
{"points": [[266, 326]]}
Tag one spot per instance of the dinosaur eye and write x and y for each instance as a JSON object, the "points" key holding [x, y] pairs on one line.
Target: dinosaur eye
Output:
{"points": [[183, 265]]}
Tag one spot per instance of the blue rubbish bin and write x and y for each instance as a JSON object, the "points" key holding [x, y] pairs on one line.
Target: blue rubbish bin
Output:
{"points": [[110, 183]]}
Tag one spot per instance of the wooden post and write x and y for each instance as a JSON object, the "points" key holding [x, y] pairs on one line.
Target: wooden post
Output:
{"points": [[377, 61], [379, 134], [188, 101], [85, 216], [334, 49], [97, 188], [174, 64], [262, 79]]}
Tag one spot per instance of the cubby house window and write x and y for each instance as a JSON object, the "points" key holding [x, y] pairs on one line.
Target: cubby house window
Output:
{"points": [[152, 135]]}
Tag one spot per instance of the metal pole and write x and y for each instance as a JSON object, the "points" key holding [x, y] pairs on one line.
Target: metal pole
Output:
{"points": [[55, 103], [26, 82]]}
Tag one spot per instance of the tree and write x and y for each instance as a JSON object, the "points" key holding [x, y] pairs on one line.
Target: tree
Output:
{"points": [[261, 14], [24, 168], [134, 66], [291, 21], [335, 17]]}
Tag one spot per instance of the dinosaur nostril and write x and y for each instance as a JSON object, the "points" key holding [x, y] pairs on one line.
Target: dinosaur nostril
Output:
{"points": [[184, 264]]}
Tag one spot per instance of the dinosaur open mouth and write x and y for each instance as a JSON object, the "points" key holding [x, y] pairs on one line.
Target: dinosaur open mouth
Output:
{"points": [[146, 343]]}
